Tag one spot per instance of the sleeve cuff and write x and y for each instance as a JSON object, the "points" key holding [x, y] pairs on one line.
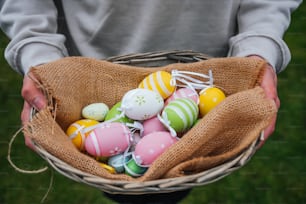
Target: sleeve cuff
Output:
{"points": [[34, 54], [275, 51]]}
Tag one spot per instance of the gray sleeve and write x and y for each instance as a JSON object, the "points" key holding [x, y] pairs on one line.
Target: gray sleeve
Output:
{"points": [[31, 25], [261, 26]]}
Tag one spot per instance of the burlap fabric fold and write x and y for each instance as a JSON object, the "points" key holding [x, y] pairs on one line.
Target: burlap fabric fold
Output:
{"points": [[73, 82]]}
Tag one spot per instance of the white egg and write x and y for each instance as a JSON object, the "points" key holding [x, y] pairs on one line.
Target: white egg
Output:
{"points": [[95, 111], [141, 104]]}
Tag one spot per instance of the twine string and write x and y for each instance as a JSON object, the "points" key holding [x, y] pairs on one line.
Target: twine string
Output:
{"points": [[136, 126], [49, 188], [12, 163], [28, 171]]}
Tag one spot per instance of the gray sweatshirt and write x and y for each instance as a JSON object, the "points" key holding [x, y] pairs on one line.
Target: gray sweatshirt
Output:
{"points": [[104, 28]]}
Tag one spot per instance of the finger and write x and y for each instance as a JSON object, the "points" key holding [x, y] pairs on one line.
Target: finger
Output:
{"points": [[269, 82], [268, 131], [32, 94], [25, 113], [25, 118], [29, 143], [277, 102]]}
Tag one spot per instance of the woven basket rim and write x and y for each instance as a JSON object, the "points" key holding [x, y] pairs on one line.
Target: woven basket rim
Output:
{"points": [[159, 185], [163, 185]]}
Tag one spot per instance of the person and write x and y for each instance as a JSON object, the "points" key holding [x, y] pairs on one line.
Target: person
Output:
{"points": [[100, 29]]}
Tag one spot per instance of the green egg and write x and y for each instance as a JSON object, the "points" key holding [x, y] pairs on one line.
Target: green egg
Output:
{"points": [[115, 112], [181, 114], [175, 122], [133, 169], [196, 122]]}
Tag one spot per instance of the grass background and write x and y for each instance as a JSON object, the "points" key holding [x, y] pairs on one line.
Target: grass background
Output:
{"points": [[276, 174]]}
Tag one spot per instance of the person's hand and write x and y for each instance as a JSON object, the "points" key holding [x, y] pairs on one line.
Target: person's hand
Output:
{"points": [[269, 85], [33, 97]]}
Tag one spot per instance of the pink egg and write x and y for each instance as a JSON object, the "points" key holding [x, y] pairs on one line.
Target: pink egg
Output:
{"points": [[184, 93], [152, 125], [151, 146], [108, 139]]}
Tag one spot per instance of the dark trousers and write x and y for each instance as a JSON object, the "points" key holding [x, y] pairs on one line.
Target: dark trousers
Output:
{"points": [[158, 198]]}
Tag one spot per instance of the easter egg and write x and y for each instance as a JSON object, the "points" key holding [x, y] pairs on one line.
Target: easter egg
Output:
{"points": [[181, 114], [150, 147], [110, 169], [95, 111], [210, 98], [133, 169], [141, 104], [114, 115], [153, 125], [108, 139], [118, 161], [77, 132], [159, 82], [197, 121], [184, 93]]}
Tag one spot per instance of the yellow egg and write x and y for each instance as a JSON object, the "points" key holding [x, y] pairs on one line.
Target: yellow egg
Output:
{"points": [[109, 168], [159, 82], [210, 98], [77, 134]]}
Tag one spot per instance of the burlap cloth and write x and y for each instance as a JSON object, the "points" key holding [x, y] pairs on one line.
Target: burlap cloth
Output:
{"points": [[73, 82]]}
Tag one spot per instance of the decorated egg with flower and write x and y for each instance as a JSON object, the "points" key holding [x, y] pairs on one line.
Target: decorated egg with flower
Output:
{"points": [[141, 104], [108, 139]]}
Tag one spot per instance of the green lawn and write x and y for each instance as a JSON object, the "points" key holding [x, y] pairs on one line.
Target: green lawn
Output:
{"points": [[276, 174]]}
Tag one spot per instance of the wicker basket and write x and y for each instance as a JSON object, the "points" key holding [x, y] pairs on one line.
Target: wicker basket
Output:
{"points": [[160, 185]]}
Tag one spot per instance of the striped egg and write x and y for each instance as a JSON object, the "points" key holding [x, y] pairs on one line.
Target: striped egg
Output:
{"points": [[159, 82], [181, 114], [78, 131], [184, 93], [108, 139], [133, 169]]}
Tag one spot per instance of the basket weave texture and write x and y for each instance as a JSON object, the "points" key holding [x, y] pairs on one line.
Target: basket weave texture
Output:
{"points": [[218, 144]]}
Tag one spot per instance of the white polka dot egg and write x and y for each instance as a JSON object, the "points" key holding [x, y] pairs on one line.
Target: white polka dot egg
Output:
{"points": [[150, 147]]}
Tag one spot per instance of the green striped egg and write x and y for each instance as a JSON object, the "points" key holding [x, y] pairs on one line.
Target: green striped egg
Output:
{"points": [[181, 114]]}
